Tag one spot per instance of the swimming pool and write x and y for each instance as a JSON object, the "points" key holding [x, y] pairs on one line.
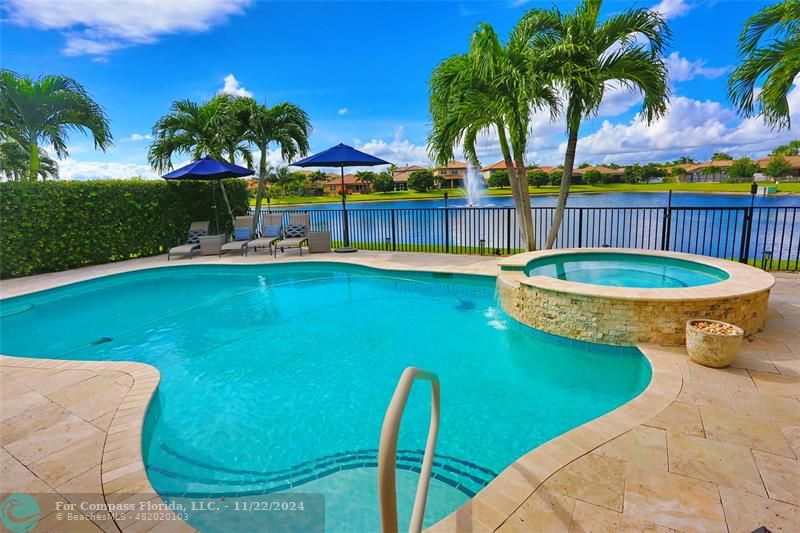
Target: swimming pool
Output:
{"points": [[276, 378], [625, 270]]}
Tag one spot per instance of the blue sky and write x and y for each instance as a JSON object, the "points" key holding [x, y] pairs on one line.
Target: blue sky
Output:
{"points": [[360, 69]]}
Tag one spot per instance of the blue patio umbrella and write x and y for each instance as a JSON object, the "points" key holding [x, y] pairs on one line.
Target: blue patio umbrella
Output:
{"points": [[341, 156], [208, 168]]}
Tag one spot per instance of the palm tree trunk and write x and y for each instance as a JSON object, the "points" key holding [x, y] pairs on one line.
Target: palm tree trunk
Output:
{"points": [[232, 159], [262, 181], [525, 201], [513, 183], [566, 179], [34, 166]]}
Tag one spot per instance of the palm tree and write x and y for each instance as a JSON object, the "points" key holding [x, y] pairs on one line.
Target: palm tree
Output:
{"points": [[586, 57], [776, 62], [198, 130], [36, 112], [15, 163], [367, 177], [790, 148], [285, 125], [493, 87], [234, 125]]}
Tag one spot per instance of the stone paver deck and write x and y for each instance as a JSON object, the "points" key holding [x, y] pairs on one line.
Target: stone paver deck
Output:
{"points": [[700, 450]]}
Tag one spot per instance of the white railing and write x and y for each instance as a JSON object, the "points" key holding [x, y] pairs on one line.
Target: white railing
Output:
{"points": [[387, 452]]}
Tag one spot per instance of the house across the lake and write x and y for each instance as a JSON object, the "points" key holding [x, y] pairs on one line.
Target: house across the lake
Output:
{"points": [[400, 176], [351, 185], [452, 175], [717, 171], [616, 174]]}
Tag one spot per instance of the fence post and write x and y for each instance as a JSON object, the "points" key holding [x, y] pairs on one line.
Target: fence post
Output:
{"points": [[508, 231], [580, 228], [446, 228], [665, 229], [394, 234], [747, 230]]}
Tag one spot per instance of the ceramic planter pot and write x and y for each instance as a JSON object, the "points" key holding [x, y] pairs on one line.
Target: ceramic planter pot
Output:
{"points": [[712, 348]]}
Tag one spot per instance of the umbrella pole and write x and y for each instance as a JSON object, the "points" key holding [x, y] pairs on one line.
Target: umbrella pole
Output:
{"points": [[214, 200], [346, 248]]}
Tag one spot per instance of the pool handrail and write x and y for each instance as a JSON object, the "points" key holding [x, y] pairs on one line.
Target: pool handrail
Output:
{"points": [[387, 452]]}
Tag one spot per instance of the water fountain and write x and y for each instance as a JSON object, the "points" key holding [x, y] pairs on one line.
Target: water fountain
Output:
{"points": [[473, 186]]}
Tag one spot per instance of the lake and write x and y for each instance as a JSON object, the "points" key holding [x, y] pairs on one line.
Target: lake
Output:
{"points": [[612, 199]]}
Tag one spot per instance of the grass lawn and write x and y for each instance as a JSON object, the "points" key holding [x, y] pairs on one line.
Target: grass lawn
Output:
{"points": [[793, 188]]}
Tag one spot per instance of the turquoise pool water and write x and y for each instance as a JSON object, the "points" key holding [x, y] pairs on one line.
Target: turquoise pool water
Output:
{"points": [[625, 270], [277, 377]]}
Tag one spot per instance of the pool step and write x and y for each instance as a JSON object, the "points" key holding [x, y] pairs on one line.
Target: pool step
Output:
{"points": [[208, 479]]}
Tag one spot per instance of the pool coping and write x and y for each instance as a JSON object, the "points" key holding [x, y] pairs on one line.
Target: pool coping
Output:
{"points": [[497, 502], [125, 431], [490, 508], [743, 279]]}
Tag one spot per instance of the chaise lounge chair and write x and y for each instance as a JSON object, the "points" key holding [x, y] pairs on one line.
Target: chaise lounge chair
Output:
{"points": [[295, 234], [242, 234], [192, 246], [270, 233]]}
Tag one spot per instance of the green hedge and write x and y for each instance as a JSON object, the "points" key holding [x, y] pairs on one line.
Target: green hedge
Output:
{"points": [[58, 225]]}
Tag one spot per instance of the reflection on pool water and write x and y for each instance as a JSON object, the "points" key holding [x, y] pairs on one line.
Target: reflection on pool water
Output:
{"points": [[276, 378], [625, 270]]}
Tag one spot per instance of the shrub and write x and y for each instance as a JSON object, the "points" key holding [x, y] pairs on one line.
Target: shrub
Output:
{"points": [[594, 177], [421, 180], [58, 225], [538, 178], [742, 169], [499, 179], [777, 167], [383, 182]]}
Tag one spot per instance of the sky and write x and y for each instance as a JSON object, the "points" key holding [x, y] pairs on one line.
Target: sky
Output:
{"points": [[360, 69]]}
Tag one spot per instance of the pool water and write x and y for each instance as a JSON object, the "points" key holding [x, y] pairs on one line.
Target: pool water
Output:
{"points": [[276, 378], [625, 270]]}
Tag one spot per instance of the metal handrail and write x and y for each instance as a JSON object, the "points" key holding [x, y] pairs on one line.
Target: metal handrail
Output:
{"points": [[387, 452]]}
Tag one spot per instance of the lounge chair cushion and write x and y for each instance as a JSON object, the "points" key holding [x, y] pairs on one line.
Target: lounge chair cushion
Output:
{"points": [[294, 231], [184, 249], [193, 237], [263, 242], [234, 245], [241, 234], [272, 230]]}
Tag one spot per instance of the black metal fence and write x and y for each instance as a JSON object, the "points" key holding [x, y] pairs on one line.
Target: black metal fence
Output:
{"points": [[768, 237]]}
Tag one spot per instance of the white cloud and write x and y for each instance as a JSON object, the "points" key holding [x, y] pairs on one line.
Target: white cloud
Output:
{"points": [[70, 169], [343, 111], [232, 86], [690, 127], [138, 137], [671, 9], [98, 27], [399, 151], [618, 100], [682, 69]]}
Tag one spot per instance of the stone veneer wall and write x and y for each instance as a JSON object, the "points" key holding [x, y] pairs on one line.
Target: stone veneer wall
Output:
{"points": [[625, 322]]}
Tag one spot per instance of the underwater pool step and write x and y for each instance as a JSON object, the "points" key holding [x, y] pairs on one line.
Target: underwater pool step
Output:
{"points": [[464, 476]]}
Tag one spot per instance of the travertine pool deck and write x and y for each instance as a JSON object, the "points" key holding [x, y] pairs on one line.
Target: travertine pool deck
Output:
{"points": [[699, 450]]}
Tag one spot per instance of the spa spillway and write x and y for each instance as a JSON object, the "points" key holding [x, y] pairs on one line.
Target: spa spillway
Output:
{"points": [[623, 296]]}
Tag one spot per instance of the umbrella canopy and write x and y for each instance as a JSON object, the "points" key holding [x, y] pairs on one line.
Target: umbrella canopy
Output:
{"points": [[208, 168], [340, 155]]}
